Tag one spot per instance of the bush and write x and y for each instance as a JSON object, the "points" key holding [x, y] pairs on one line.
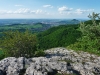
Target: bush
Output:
{"points": [[18, 44], [39, 53]]}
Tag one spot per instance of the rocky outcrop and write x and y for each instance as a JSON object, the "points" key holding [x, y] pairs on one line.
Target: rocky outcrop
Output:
{"points": [[57, 60]]}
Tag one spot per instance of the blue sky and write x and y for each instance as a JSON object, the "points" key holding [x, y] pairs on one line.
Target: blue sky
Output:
{"points": [[48, 9]]}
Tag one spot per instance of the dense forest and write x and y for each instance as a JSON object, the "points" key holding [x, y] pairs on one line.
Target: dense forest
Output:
{"points": [[60, 36]]}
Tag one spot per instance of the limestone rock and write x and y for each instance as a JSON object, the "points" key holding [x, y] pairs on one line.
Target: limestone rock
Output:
{"points": [[57, 60]]}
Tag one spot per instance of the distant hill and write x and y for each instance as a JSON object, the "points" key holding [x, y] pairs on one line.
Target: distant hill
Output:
{"points": [[37, 27], [73, 21], [59, 36]]}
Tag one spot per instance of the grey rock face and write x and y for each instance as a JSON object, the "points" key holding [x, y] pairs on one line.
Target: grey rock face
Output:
{"points": [[12, 65], [57, 60]]}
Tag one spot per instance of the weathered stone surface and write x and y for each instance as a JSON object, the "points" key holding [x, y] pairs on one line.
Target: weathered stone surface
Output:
{"points": [[57, 60]]}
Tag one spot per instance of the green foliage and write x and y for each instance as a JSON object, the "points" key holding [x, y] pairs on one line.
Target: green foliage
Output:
{"points": [[93, 17], [39, 53], [60, 36], [18, 44], [2, 56], [90, 22], [90, 40]]}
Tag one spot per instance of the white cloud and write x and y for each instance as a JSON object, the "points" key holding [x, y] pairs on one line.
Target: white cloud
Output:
{"points": [[2, 11], [64, 8], [19, 11], [9, 12], [32, 12], [65, 13], [38, 11], [46, 6], [18, 5], [23, 11], [80, 11]]}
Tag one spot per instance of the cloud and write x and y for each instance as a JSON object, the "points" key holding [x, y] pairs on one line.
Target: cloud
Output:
{"points": [[62, 12], [64, 8], [2, 11], [65, 13], [47, 6], [80, 11], [18, 5], [9, 12], [38, 11], [23, 11]]}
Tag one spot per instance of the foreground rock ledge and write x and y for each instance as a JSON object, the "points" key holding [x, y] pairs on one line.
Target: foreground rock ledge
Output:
{"points": [[57, 60]]}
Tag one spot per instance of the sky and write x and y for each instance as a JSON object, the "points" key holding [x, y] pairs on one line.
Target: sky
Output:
{"points": [[48, 9]]}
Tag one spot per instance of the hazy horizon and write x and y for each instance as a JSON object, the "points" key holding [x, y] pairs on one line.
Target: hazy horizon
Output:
{"points": [[43, 19]]}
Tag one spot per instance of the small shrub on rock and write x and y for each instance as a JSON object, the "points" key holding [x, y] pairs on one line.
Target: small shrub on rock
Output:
{"points": [[39, 53]]}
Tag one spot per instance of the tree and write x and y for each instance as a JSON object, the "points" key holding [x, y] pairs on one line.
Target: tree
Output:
{"points": [[19, 44], [91, 33], [90, 40], [93, 17], [93, 29]]}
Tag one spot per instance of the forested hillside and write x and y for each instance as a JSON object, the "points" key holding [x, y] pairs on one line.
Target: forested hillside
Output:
{"points": [[60, 36]]}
